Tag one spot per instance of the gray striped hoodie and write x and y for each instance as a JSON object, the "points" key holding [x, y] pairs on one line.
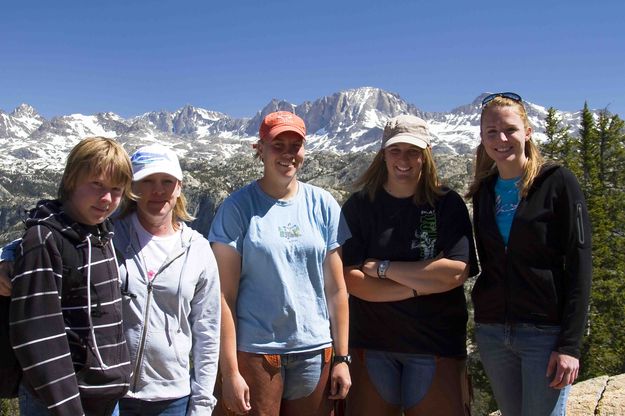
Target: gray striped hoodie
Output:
{"points": [[72, 352]]}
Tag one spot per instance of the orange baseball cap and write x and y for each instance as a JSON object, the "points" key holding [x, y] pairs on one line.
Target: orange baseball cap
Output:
{"points": [[279, 122]]}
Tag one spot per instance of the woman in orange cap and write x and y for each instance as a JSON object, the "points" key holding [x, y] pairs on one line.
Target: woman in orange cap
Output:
{"points": [[285, 318]]}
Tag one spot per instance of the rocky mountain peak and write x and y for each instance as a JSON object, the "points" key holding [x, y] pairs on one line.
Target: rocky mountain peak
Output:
{"points": [[25, 111], [20, 123], [346, 121]]}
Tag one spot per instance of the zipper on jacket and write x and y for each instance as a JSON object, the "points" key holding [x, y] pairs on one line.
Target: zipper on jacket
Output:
{"points": [[146, 314], [506, 289], [144, 332], [506, 283], [581, 237]]}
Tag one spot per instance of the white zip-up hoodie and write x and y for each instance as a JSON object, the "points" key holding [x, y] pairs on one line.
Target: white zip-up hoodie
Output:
{"points": [[173, 317]]}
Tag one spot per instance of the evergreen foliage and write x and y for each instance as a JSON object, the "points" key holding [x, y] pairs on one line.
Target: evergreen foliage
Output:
{"points": [[597, 156], [559, 145], [587, 151], [9, 407]]}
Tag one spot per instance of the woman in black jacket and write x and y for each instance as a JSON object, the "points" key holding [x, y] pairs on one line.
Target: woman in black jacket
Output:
{"points": [[533, 239]]}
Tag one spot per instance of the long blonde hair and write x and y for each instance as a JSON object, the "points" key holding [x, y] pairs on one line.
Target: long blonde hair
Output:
{"points": [[486, 167], [428, 189]]}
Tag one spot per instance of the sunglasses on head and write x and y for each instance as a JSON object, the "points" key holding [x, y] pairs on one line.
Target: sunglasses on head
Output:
{"points": [[511, 95]]}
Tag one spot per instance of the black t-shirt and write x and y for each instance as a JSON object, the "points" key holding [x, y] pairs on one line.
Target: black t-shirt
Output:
{"points": [[396, 229]]}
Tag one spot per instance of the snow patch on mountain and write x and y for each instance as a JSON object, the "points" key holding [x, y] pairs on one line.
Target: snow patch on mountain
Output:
{"points": [[347, 121]]}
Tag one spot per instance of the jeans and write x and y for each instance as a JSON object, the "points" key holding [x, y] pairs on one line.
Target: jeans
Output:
{"points": [[515, 358], [174, 407], [31, 405], [401, 379]]}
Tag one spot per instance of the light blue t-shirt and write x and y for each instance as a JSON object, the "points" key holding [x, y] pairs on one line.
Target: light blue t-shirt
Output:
{"points": [[281, 304], [506, 202]]}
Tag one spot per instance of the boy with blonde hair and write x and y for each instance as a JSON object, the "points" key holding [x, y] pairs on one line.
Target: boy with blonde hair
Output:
{"points": [[65, 319]]}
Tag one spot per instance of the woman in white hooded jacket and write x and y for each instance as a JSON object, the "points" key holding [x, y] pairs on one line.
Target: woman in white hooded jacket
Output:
{"points": [[170, 283]]}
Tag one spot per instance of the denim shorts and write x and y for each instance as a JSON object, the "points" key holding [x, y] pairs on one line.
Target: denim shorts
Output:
{"points": [[401, 379], [290, 383], [300, 373], [420, 384]]}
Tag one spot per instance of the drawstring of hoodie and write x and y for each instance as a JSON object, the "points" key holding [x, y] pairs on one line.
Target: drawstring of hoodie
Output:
{"points": [[91, 328], [184, 265]]}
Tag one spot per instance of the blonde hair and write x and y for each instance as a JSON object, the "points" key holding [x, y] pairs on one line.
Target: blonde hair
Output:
{"points": [[256, 147], [428, 189], [96, 156], [180, 211], [486, 167]]}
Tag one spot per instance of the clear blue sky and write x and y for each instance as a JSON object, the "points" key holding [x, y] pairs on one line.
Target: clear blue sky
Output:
{"points": [[135, 56]]}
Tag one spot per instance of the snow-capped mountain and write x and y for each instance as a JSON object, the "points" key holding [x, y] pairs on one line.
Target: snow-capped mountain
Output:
{"points": [[20, 123], [216, 152], [347, 121]]}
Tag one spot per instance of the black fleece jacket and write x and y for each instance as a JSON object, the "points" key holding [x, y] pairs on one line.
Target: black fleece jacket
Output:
{"points": [[543, 275]]}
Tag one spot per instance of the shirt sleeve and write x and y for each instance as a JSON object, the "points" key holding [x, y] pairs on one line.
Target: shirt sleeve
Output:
{"points": [[337, 229], [456, 233], [576, 239], [205, 319], [7, 253], [354, 249], [229, 226], [37, 328]]}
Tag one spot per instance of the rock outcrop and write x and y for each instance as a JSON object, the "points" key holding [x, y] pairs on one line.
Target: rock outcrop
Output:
{"points": [[600, 396]]}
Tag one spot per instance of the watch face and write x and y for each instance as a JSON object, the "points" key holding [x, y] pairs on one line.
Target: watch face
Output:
{"points": [[382, 268], [342, 359]]}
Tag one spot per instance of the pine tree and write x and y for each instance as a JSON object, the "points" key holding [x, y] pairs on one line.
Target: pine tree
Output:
{"points": [[587, 151], [602, 155], [550, 146], [597, 157], [559, 145], [609, 131]]}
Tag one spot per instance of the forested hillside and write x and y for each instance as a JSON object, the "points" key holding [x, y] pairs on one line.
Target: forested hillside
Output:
{"points": [[596, 153]]}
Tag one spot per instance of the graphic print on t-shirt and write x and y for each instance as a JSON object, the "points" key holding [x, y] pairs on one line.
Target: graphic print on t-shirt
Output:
{"points": [[506, 196], [289, 231], [506, 202], [506, 205], [425, 235]]}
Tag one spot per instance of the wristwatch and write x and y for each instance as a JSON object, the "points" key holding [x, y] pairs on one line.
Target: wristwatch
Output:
{"points": [[347, 359], [382, 268]]}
